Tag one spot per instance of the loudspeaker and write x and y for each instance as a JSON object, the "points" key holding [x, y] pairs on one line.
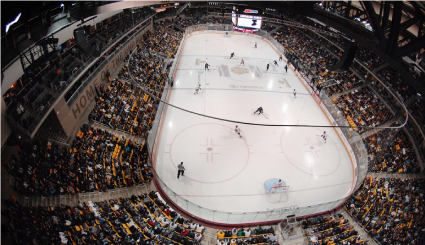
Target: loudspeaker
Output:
{"points": [[346, 60], [80, 38]]}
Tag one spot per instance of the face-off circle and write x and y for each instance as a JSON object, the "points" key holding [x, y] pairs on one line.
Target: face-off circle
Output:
{"points": [[310, 154], [214, 153]]}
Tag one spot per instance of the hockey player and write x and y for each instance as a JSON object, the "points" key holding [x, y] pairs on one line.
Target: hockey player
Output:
{"points": [[280, 58], [275, 63], [286, 68], [206, 66], [232, 54], [255, 44], [278, 184], [259, 110], [295, 93], [238, 131], [197, 89], [324, 136], [242, 62], [268, 65]]}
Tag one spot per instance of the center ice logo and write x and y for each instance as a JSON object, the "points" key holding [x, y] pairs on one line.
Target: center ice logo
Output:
{"points": [[240, 70]]}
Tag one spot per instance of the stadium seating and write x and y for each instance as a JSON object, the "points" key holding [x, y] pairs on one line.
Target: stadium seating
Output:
{"points": [[390, 209], [96, 161], [334, 229], [142, 219]]}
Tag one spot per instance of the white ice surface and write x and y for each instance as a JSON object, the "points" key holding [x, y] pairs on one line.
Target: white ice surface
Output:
{"points": [[225, 172]]}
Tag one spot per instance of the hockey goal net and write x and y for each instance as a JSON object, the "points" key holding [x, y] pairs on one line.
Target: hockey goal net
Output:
{"points": [[276, 190]]}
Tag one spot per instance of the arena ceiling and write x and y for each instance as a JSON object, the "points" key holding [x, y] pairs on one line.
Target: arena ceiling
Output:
{"points": [[393, 29]]}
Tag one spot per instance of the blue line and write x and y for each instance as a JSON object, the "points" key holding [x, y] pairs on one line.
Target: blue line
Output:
{"points": [[249, 90]]}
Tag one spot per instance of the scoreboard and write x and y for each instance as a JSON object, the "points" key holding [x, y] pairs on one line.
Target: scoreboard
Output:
{"points": [[246, 19]]}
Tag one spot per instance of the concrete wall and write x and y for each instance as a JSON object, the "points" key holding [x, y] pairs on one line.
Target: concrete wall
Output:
{"points": [[69, 117]]}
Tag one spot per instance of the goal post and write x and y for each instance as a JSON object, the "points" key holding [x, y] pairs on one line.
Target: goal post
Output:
{"points": [[276, 190]]}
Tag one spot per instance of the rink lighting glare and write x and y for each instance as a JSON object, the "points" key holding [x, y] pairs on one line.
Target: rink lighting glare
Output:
{"points": [[309, 159], [13, 22], [170, 124], [253, 74]]}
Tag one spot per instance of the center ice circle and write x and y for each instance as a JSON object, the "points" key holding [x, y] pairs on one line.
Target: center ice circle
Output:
{"points": [[307, 151], [211, 153]]}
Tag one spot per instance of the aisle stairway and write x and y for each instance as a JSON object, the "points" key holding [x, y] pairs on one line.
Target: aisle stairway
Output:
{"points": [[381, 127]]}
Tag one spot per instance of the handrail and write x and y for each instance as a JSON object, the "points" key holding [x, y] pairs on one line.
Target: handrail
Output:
{"points": [[51, 33]]}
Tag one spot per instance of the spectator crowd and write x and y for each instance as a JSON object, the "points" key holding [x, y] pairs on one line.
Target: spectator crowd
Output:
{"points": [[391, 152], [391, 210], [96, 161], [334, 229], [125, 105], [143, 219], [258, 235]]}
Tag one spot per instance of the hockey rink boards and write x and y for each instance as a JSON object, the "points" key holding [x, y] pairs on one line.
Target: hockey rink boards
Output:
{"points": [[225, 172]]}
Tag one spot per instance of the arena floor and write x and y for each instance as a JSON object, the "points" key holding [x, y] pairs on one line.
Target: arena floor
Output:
{"points": [[227, 173]]}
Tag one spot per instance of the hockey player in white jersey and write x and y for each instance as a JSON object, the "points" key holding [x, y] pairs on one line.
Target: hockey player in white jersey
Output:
{"points": [[197, 89]]}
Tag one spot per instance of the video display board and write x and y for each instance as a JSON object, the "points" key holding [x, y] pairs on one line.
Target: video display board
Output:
{"points": [[246, 19]]}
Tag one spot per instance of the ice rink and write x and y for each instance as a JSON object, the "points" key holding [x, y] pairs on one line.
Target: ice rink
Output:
{"points": [[225, 172]]}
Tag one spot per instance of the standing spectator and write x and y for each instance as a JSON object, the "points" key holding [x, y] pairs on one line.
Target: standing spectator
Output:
{"points": [[180, 170]]}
